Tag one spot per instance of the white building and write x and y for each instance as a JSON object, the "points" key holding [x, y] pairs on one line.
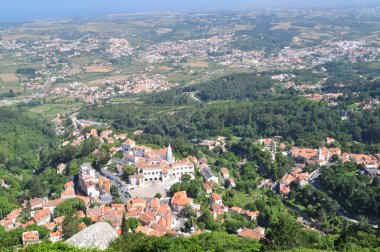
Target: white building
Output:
{"points": [[154, 165], [87, 180]]}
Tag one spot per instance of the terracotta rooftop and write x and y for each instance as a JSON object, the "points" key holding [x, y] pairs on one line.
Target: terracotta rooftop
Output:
{"points": [[30, 236], [250, 233], [181, 199]]}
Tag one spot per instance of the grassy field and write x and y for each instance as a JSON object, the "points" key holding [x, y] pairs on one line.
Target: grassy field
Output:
{"points": [[98, 69], [242, 199], [83, 60], [48, 111], [282, 26], [198, 64], [6, 86], [161, 70]]}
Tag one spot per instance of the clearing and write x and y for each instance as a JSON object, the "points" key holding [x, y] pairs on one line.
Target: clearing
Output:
{"points": [[98, 69], [198, 63], [9, 77]]}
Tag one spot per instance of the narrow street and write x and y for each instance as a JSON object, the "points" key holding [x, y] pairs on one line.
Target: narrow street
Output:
{"points": [[117, 182]]}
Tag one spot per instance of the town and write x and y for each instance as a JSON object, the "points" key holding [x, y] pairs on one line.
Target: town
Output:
{"points": [[143, 180], [225, 130]]}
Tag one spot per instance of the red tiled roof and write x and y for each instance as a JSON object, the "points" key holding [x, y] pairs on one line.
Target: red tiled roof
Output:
{"points": [[30, 236], [181, 199], [249, 233], [42, 214]]}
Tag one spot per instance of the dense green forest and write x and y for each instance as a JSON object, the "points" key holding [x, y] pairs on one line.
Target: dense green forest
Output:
{"points": [[307, 123], [21, 136], [235, 86], [358, 193]]}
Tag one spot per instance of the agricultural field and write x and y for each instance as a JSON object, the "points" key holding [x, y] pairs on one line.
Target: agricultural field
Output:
{"points": [[9, 77], [98, 69], [198, 64]]}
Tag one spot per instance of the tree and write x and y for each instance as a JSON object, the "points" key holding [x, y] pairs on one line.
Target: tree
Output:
{"points": [[114, 191], [158, 195], [285, 232], [131, 224], [334, 158], [69, 207], [186, 178], [188, 212], [6, 207], [69, 226], [124, 226], [127, 171], [193, 190]]}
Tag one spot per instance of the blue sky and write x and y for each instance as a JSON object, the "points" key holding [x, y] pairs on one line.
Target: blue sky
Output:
{"points": [[41, 9], [14, 10]]}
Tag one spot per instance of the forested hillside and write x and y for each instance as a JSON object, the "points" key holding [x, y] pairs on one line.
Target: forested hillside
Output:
{"points": [[21, 138], [305, 122]]}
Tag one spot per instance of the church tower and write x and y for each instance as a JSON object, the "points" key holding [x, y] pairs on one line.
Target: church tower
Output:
{"points": [[169, 155]]}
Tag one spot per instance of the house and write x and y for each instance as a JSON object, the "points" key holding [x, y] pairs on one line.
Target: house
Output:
{"points": [[207, 187], [52, 204], [121, 136], [304, 155], [257, 233], [41, 217], [14, 214], [37, 202], [330, 140], [288, 179], [50, 225], [135, 204], [118, 207], [209, 175], [85, 199], [104, 184], [146, 219], [224, 172], [371, 170], [284, 189], [218, 209], [61, 168], [68, 194], [69, 185], [80, 214], [94, 133], [230, 182], [29, 238], [105, 133], [55, 236], [105, 198], [215, 199], [252, 215], [302, 179], [87, 180], [180, 200], [236, 209], [59, 220]]}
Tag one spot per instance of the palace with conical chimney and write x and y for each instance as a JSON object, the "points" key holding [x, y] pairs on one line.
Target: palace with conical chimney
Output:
{"points": [[154, 165]]}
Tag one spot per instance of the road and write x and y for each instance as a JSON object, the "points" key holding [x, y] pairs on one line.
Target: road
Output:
{"points": [[341, 211], [192, 95], [117, 182], [47, 84]]}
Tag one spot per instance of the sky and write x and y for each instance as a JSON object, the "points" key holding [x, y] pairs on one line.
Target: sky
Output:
{"points": [[22, 10]]}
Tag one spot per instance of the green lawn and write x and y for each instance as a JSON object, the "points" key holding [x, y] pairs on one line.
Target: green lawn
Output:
{"points": [[242, 199], [48, 111]]}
